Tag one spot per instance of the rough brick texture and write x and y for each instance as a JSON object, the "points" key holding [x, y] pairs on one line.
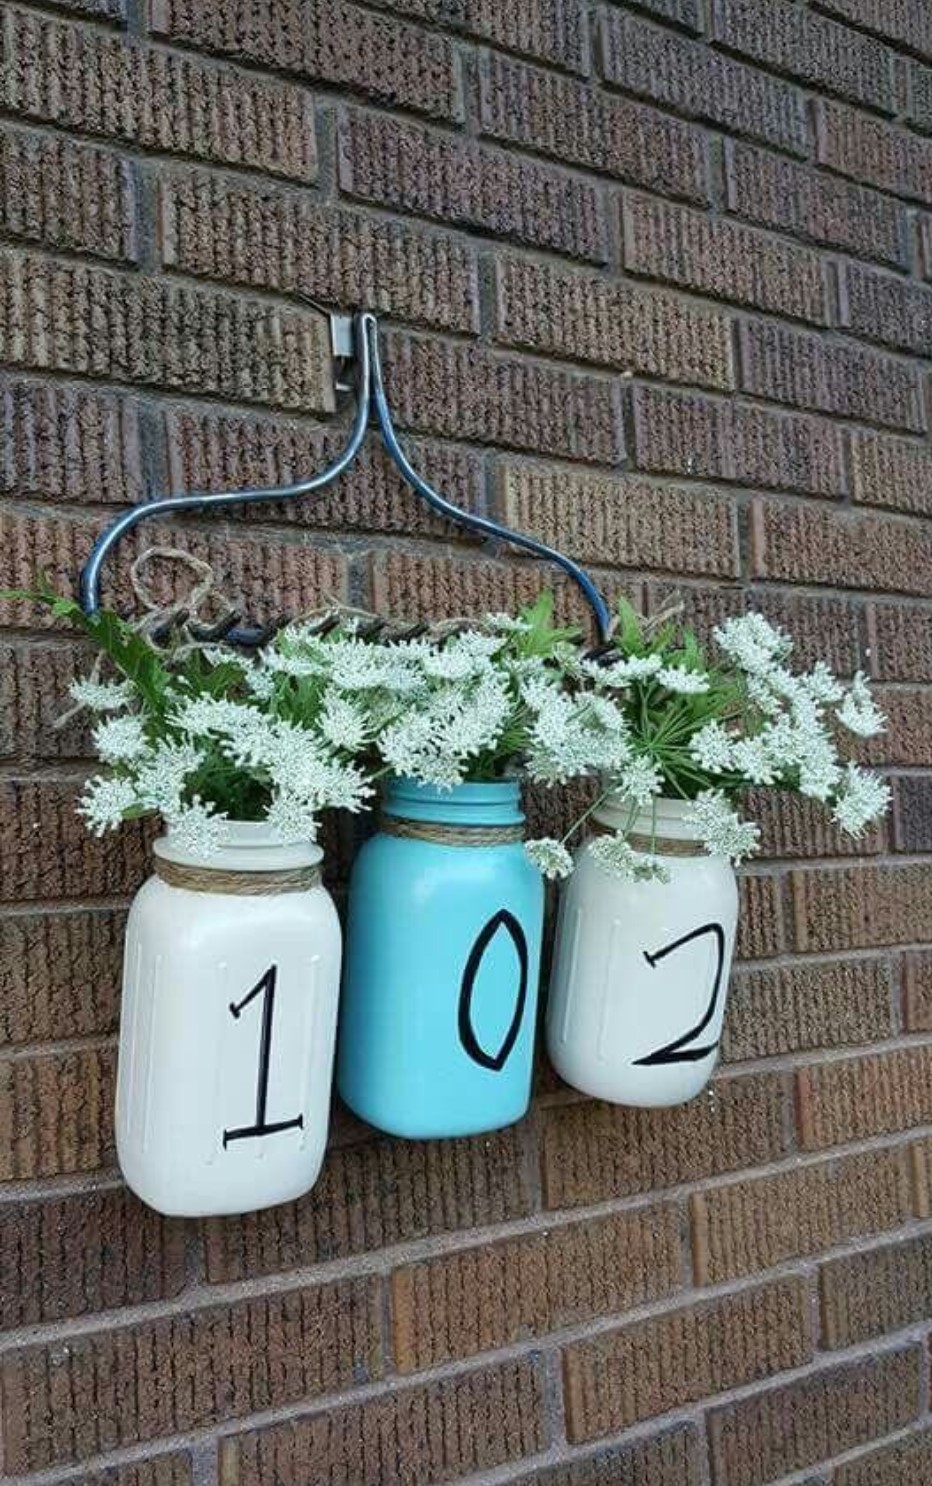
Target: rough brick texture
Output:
{"points": [[655, 282]]}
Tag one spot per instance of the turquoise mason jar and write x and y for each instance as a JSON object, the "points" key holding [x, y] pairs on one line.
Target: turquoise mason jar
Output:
{"points": [[442, 962]]}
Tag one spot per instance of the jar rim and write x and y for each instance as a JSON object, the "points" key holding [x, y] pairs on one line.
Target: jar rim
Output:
{"points": [[244, 845]]}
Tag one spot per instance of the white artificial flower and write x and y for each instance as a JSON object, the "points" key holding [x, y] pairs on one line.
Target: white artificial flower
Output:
{"points": [[752, 642], [101, 696], [120, 740], [640, 781], [685, 683], [550, 857], [861, 799], [822, 684], [859, 712], [291, 817], [162, 776], [105, 801], [753, 758], [343, 723], [711, 747], [721, 829], [621, 673], [620, 859], [196, 827]]}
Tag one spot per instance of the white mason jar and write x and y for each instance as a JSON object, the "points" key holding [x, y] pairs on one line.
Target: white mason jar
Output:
{"points": [[640, 973], [230, 990]]}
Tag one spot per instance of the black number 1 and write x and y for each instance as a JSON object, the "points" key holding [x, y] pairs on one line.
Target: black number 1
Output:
{"points": [[265, 987]]}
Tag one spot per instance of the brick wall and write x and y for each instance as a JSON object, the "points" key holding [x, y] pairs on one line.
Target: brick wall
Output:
{"points": [[657, 285]]}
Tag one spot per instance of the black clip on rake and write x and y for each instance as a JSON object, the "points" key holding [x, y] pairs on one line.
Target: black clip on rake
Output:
{"points": [[353, 338]]}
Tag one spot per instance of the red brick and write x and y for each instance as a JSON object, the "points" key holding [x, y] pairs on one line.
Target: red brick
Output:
{"points": [[438, 1431], [916, 973], [626, 523], [800, 368], [783, 38], [67, 443], [688, 76], [263, 238], [45, 851], [760, 917], [808, 203], [715, 256], [672, 1458], [883, 308], [107, 1389], [912, 813], [800, 544], [566, 119], [792, 826], [891, 472], [821, 628], [66, 196], [373, 1195], [60, 974], [57, 1113], [83, 79], [421, 586], [71, 317], [594, 1152], [554, 30], [477, 1300], [619, 1377], [330, 42], [873, 152], [905, 21], [686, 433], [394, 164], [856, 1098], [587, 318], [34, 681], [788, 1428], [901, 1464], [467, 392], [900, 642], [792, 1008], [95, 1251], [753, 1225], [210, 450], [876, 1291], [860, 907]]}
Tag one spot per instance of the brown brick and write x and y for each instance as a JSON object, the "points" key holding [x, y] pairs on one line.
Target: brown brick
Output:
{"points": [[163, 1470], [686, 433], [686, 13], [467, 392], [874, 153], [820, 52], [373, 1195], [821, 628], [833, 377], [916, 975], [60, 974], [900, 641], [760, 918], [105, 10], [808, 203], [438, 1431], [883, 308], [906, 1462], [876, 1291], [905, 21], [792, 826], [270, 239], [71, 317], [477, 1300], [34, 681], [66, 196], [108, 1389], [687, 76], [912, 813], [891, 472], [860, 907], [619, 1377], [715, 256], [66, 443], [800, 544], [57, 1113], [330, 42], [668, 1459], [45, 851], [754, 1225], [919, 93], [623, 522], [874, 1094], [791, 1008], [83, 79], [554, 30], [399, 165], [758, 1439], [593, 1152], [586, 318], [95, 1251], [570, 121], [210, 450]]}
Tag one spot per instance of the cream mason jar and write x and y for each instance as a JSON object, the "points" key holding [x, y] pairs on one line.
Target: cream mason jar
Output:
{"points": [[228, 1021], [640, 971]]}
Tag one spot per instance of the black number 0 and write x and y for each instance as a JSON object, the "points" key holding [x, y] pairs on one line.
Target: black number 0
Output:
{"points": [[266, 988]]}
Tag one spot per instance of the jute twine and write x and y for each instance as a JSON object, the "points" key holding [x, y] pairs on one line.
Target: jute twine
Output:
{"points": [[446, 835], [238, 884], [661, 846]]}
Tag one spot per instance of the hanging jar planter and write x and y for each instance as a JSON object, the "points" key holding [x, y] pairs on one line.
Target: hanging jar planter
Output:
{"points": [[443, 954], [641, 968], [228, 1024]]}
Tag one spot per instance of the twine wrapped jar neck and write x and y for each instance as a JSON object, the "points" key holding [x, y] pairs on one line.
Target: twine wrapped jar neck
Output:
{"points": [[482, 814], [249, 861]]}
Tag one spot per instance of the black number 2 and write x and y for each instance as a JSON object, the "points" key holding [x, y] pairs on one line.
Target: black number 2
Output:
{"points": [[266, 988]]}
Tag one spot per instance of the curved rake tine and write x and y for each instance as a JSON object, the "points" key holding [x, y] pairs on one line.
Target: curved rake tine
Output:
{"points": [[89, 591], [469, 519]]}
